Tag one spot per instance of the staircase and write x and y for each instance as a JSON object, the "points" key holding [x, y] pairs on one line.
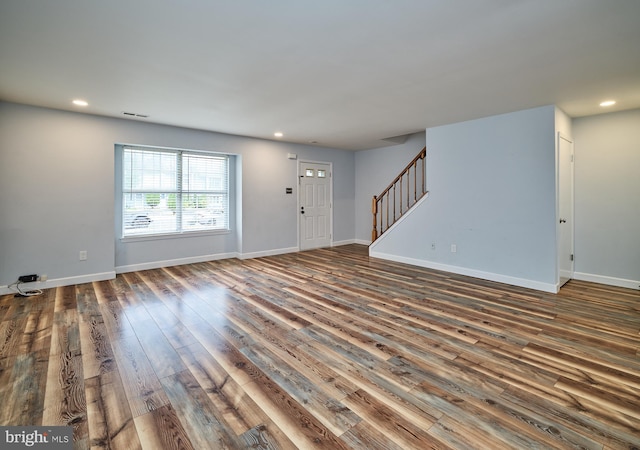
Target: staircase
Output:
{"points": [[400, 196]]}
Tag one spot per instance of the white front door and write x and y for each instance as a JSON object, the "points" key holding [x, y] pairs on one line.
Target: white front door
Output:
{"points": [[315, 205], [565, 209]]}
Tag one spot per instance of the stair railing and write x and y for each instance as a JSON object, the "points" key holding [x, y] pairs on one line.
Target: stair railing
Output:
{"points": [[399, 196]]}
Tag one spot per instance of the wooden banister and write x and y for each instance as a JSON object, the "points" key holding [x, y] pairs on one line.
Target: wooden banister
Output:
{"points": [[421, 155], [391, 203]]}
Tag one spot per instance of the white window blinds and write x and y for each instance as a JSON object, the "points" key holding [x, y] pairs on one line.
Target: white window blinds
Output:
{"points": [[170, 191]]}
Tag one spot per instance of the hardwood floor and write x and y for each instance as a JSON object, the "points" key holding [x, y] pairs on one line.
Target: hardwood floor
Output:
{"points": [[323, 349]]}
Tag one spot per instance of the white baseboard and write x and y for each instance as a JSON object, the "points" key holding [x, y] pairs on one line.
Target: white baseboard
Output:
{"points": [[514, 281], [282, 251], [173, 262], [362, 242], [611, 281], [345, 242], [57, 282], [278, 251]]}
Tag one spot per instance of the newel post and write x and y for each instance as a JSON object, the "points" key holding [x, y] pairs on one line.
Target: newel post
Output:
{"points": [[374, 210]]}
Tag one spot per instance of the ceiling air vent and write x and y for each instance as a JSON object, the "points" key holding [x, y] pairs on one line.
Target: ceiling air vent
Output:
{"points": [[130, 114]]}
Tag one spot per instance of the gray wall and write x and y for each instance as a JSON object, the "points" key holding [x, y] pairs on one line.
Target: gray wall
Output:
{"points": [[57, 189], [491, 186], [56, 194], [375, 169], [607, 198]]}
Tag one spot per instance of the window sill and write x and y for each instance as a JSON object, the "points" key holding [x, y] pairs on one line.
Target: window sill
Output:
{"points": [[183, 235]]}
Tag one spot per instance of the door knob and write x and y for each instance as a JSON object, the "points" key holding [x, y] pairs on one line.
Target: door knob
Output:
{"points": [[563, 221], [302, 210]]}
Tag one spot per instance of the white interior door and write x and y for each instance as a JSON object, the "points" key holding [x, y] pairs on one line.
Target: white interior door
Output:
{"points": [[565, 209], [315, 205]]}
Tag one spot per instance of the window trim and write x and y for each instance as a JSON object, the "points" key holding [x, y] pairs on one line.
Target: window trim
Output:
{"points": [[176, 235], [181, 232]]}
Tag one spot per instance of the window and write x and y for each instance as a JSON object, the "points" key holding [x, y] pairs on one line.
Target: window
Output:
{"points": [[171, 191]]}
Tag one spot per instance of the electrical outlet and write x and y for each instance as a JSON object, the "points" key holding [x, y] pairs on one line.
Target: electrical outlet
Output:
{"points": [[454, 248], [28, 278], [83, 255], [433, 246]]}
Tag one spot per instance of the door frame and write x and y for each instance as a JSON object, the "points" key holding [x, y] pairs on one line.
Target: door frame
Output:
{"points": [[298, 202], [559, 184]]}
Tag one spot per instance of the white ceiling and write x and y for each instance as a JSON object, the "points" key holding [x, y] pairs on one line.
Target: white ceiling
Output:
{"points": [[344, 73]]}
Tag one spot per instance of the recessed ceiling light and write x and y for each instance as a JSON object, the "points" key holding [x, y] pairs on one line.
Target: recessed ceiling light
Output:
{"points": [[278, 134], [79, 102], [608, 103]]}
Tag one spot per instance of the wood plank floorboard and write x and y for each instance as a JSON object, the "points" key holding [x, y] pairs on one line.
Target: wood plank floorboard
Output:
{"points": [[324, 349]]}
